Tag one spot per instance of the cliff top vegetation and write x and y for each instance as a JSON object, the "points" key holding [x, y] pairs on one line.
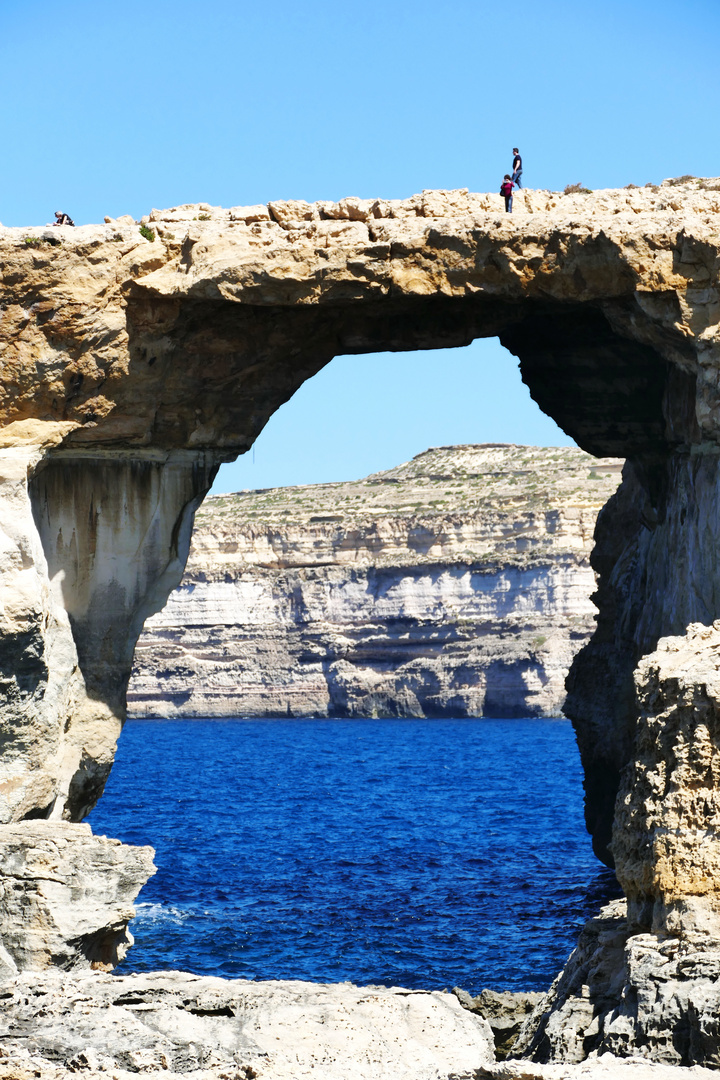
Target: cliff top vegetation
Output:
{"points": [[446, 480]]}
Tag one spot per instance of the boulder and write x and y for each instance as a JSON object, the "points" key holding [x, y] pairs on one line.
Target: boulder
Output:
{"points": [[505, 1012], [66, 896]]}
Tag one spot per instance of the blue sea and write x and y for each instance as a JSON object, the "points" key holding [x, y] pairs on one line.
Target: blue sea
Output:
{"points": [[420, 853]]}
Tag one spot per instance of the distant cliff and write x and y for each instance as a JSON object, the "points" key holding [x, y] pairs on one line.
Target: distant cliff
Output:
{"points": [[456, 584]]}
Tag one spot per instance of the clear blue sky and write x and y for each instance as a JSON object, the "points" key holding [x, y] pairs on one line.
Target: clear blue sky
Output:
{"points": [[116, 108]]}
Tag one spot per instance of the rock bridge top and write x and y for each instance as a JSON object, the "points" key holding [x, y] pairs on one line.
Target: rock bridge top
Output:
{"points": [[192, 339]]}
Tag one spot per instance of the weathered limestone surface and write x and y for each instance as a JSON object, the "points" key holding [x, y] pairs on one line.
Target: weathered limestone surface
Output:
{"points": [[666, 838], [173, 1024], [458, 583], [505, 1012], [41, 683], [603, 1067], [66, 896]]}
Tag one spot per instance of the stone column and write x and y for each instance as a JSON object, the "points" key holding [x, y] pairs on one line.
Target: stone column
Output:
{"points": [[92, 542], [666, 839]]}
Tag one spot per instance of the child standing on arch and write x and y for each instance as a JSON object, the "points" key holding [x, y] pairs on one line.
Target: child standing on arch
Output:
{"points": [[506, 190]]}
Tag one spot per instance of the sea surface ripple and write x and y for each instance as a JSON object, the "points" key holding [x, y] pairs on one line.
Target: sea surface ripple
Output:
{"points": [[419, 853]]}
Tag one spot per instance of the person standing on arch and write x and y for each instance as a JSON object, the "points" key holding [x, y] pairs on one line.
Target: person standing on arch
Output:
{"points": [[516, 168], [506, 190]]}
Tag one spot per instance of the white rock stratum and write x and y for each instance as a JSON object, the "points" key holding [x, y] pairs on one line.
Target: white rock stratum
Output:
{"points": [[457, 584]]}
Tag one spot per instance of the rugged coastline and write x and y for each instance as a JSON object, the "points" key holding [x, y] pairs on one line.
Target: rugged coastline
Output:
{"points": [[456, 584], [134, 364]]}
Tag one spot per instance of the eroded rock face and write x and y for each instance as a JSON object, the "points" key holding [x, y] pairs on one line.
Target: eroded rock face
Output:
{"points": [[457, 584], [658, 573], [66, 896], [42, 688], [506, 1013], [604, 1067], [116, 531], [91, 544], [649, 995], [130, 349]]}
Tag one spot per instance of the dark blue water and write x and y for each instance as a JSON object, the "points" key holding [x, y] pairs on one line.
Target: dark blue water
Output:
{"points": [[426, 854]]}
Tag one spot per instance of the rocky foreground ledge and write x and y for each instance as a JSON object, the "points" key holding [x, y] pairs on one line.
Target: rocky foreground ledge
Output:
{"points": [[175, 1025]]}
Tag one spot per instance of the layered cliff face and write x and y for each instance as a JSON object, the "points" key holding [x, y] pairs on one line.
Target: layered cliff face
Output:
{"points": [[456, 584]]}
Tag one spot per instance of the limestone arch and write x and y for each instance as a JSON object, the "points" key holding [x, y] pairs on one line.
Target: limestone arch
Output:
{"points": [[177, 355]]}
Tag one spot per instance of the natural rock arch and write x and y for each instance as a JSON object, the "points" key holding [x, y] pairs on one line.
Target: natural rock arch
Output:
{"points": [[134, 367]]}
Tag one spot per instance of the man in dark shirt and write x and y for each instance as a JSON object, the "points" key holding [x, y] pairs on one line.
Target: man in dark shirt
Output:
{"points": [[63, 219], [516, 168]]}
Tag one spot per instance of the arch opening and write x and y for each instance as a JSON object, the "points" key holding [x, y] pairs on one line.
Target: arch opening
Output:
{"points": [[364, 413], [209, 374]]}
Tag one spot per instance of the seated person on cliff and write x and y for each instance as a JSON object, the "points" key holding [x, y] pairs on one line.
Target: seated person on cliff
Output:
{"points": [[63, 219]]}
